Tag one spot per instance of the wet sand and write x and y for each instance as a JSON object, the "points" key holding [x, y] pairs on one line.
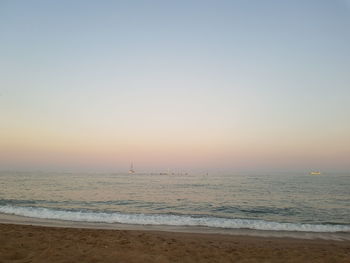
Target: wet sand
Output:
{"points": [[26, 243]]}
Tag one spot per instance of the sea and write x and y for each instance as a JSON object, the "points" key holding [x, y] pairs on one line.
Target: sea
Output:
{"points": [[295, 202]]}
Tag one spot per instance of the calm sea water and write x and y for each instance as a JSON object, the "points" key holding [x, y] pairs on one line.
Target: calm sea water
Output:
{"points": [[268, 202]]}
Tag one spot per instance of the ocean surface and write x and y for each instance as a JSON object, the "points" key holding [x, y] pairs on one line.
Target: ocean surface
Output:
{"points": [[315, 203]]}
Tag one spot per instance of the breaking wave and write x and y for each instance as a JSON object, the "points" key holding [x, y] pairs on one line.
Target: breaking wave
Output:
{"points": [[167, 219]]}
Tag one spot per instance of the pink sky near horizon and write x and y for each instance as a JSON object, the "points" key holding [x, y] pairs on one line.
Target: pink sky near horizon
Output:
{"points": [[152, 154]]}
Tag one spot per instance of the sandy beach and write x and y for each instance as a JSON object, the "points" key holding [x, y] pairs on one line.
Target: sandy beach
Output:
{"points": [[26, 243]]}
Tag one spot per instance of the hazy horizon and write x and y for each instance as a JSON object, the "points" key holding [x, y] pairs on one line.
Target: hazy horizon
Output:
{"points": [[249, 87]]}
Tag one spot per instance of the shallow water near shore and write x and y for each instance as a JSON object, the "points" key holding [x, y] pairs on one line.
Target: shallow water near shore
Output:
{"points": [[301, 203]]}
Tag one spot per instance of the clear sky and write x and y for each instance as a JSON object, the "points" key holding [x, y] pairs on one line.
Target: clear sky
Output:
{"points": [[247, 86]]}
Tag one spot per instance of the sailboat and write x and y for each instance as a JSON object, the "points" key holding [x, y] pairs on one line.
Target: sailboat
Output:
{"points": [[131, 170]]}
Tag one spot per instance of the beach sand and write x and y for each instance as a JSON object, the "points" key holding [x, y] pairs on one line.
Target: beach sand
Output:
{"points": [[26, 243]]}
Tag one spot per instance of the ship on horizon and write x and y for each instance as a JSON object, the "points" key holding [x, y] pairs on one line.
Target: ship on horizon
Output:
{"points": [[315, 173], [131, 170]]}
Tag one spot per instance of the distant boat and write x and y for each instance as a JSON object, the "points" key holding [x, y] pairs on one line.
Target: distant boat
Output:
{"points": [[131, 170], [315, 173]]}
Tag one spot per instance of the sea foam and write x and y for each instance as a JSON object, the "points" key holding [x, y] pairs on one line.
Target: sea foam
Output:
{"points": [[166, 219]]}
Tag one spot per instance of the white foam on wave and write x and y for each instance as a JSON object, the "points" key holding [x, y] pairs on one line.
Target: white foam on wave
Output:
{"points": [[170, 220]]}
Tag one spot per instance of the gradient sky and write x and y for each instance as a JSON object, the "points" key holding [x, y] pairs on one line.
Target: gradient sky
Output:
{"points": [[248, 86]]}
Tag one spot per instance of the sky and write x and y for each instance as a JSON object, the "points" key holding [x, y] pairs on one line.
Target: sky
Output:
{"points": [[220, 86]]}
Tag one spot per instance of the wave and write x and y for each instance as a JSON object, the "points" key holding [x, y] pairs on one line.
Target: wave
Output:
{"points": [[166, 219]]}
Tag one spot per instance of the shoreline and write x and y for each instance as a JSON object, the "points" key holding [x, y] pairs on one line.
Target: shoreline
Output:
{"points": [[21, 220], [32, 243]]}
